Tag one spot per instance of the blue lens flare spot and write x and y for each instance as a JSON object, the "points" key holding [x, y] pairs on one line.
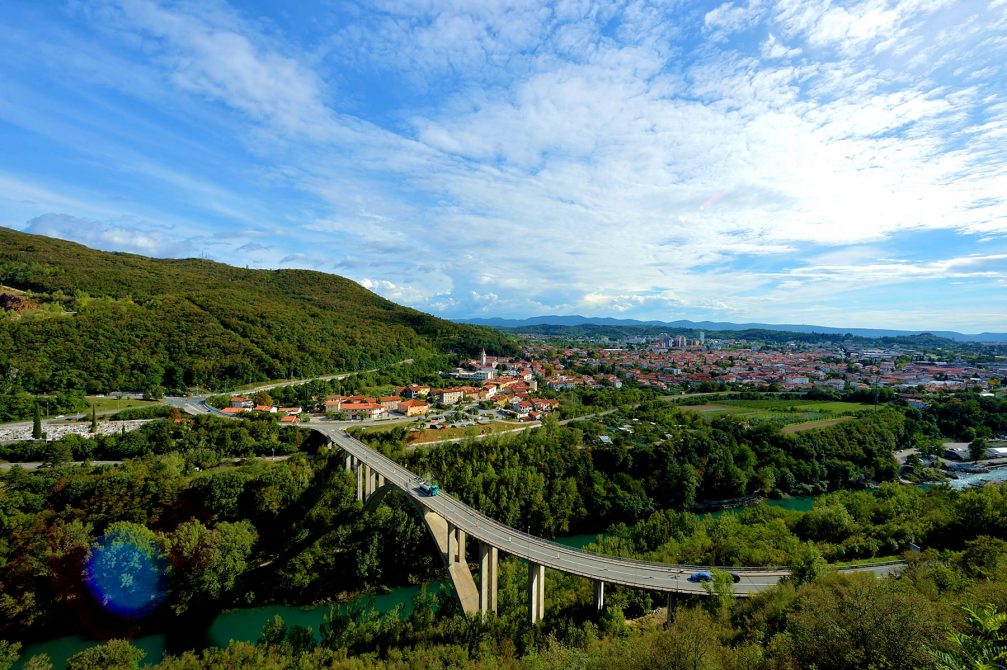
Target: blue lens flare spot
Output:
{"points": [[125, 579]]}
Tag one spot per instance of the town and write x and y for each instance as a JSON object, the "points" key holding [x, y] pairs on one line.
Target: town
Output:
{"points": [[666, 363]]}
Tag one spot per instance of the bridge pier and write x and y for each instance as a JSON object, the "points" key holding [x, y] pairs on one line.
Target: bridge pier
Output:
{"points": [[599, 596], [536, 592], [456, 545], [359, 468], [487, 578]]}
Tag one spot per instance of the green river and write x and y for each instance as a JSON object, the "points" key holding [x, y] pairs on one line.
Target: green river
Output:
{"points": [[246, 623]]}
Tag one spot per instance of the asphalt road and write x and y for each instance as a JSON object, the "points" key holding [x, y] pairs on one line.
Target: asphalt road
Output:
{"points": [[636, 574]]}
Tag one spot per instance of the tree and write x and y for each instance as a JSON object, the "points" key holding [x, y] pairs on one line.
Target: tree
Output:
{"points": [[39, 662], [94, 420], [113, 655], [127, 571], [9, 652], [57, 453], [977, 448], [208, 562], [983, 645], [36, 425], [263, 398], [808, 564], [855, 622], [721, 592]]}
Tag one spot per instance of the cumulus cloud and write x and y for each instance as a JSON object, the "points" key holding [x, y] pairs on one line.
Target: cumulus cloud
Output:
{"points": [[527, 157], [137, 237], [773, 48]]}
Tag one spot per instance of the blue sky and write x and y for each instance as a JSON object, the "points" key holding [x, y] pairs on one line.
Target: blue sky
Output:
{"points": [[837, 163]]}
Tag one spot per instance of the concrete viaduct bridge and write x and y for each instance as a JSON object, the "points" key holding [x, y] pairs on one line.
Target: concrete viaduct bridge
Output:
{"points": [[452, 523]]}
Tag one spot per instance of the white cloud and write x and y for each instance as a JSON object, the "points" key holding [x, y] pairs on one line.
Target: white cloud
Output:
{"points": [[207, 52], [773, 48], [137, 237], [586, 155], [730, 18]]}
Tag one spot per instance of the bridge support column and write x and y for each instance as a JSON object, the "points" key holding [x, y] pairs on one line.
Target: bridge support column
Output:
{"points": [[381, 482], [349, 462], [536, 592], [599, 596], [487, 578], [359, 467], [671, 607], [456, 545]]}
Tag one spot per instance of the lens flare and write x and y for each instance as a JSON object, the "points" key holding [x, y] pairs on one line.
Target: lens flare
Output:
{"points": [[127, 579]]}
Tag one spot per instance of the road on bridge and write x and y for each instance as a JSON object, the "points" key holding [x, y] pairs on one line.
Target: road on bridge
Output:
{"points": [[637, 574]]}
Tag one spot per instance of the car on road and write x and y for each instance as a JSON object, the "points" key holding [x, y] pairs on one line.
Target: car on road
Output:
{"points": [[734, 575], [701, 577]]}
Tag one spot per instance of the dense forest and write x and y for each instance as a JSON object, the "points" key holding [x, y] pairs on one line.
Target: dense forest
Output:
{"points": [[625, 465], [216, 534], [244, 533], [97, 321]]}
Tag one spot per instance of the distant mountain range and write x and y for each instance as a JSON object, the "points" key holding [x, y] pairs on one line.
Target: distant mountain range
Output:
{"points": [[576, 320]]}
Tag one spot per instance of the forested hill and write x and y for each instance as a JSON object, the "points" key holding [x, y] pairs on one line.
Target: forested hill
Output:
{"points": [[73, 317]]}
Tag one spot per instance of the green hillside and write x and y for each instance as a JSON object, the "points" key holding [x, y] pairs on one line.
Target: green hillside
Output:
{"points": [[76, 318]]}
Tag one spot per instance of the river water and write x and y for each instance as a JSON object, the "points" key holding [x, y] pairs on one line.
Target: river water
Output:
{"points": [[964, 481], [240, 625]]}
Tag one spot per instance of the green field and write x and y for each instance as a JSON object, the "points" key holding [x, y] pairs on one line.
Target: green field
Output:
{"points": [[110, 403], [781, 412]]}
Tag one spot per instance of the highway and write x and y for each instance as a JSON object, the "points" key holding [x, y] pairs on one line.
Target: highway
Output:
{"points": [[637, 574]]}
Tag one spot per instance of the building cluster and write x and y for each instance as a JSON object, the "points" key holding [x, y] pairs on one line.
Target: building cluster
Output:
{"points": [[661, 363], [240, 404]]}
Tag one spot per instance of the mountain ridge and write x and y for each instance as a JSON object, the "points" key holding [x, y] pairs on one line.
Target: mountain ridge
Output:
{"points": [[106, 321], [578, 320]]}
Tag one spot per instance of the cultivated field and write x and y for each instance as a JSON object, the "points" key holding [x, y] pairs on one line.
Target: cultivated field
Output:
{"points": [[794, 415], [109, 403]]}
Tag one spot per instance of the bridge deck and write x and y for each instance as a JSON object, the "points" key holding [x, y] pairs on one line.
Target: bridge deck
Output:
{"points": [[633, 573]]}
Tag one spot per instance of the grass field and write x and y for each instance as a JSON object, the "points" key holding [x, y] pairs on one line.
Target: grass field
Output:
{"points": [[796, 415], [109, 403]]}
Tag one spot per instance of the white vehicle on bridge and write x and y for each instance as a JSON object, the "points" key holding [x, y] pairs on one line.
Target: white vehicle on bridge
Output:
{"points": [[429, 488]]}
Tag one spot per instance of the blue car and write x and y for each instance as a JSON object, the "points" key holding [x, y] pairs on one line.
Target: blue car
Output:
{"points": [[701, 577]]}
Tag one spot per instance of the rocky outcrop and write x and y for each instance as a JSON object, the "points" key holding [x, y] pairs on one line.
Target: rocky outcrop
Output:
{"points": [[15, 303]]}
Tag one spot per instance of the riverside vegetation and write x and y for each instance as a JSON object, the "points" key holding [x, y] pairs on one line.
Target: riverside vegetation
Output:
{"points": [[234, 534]]}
